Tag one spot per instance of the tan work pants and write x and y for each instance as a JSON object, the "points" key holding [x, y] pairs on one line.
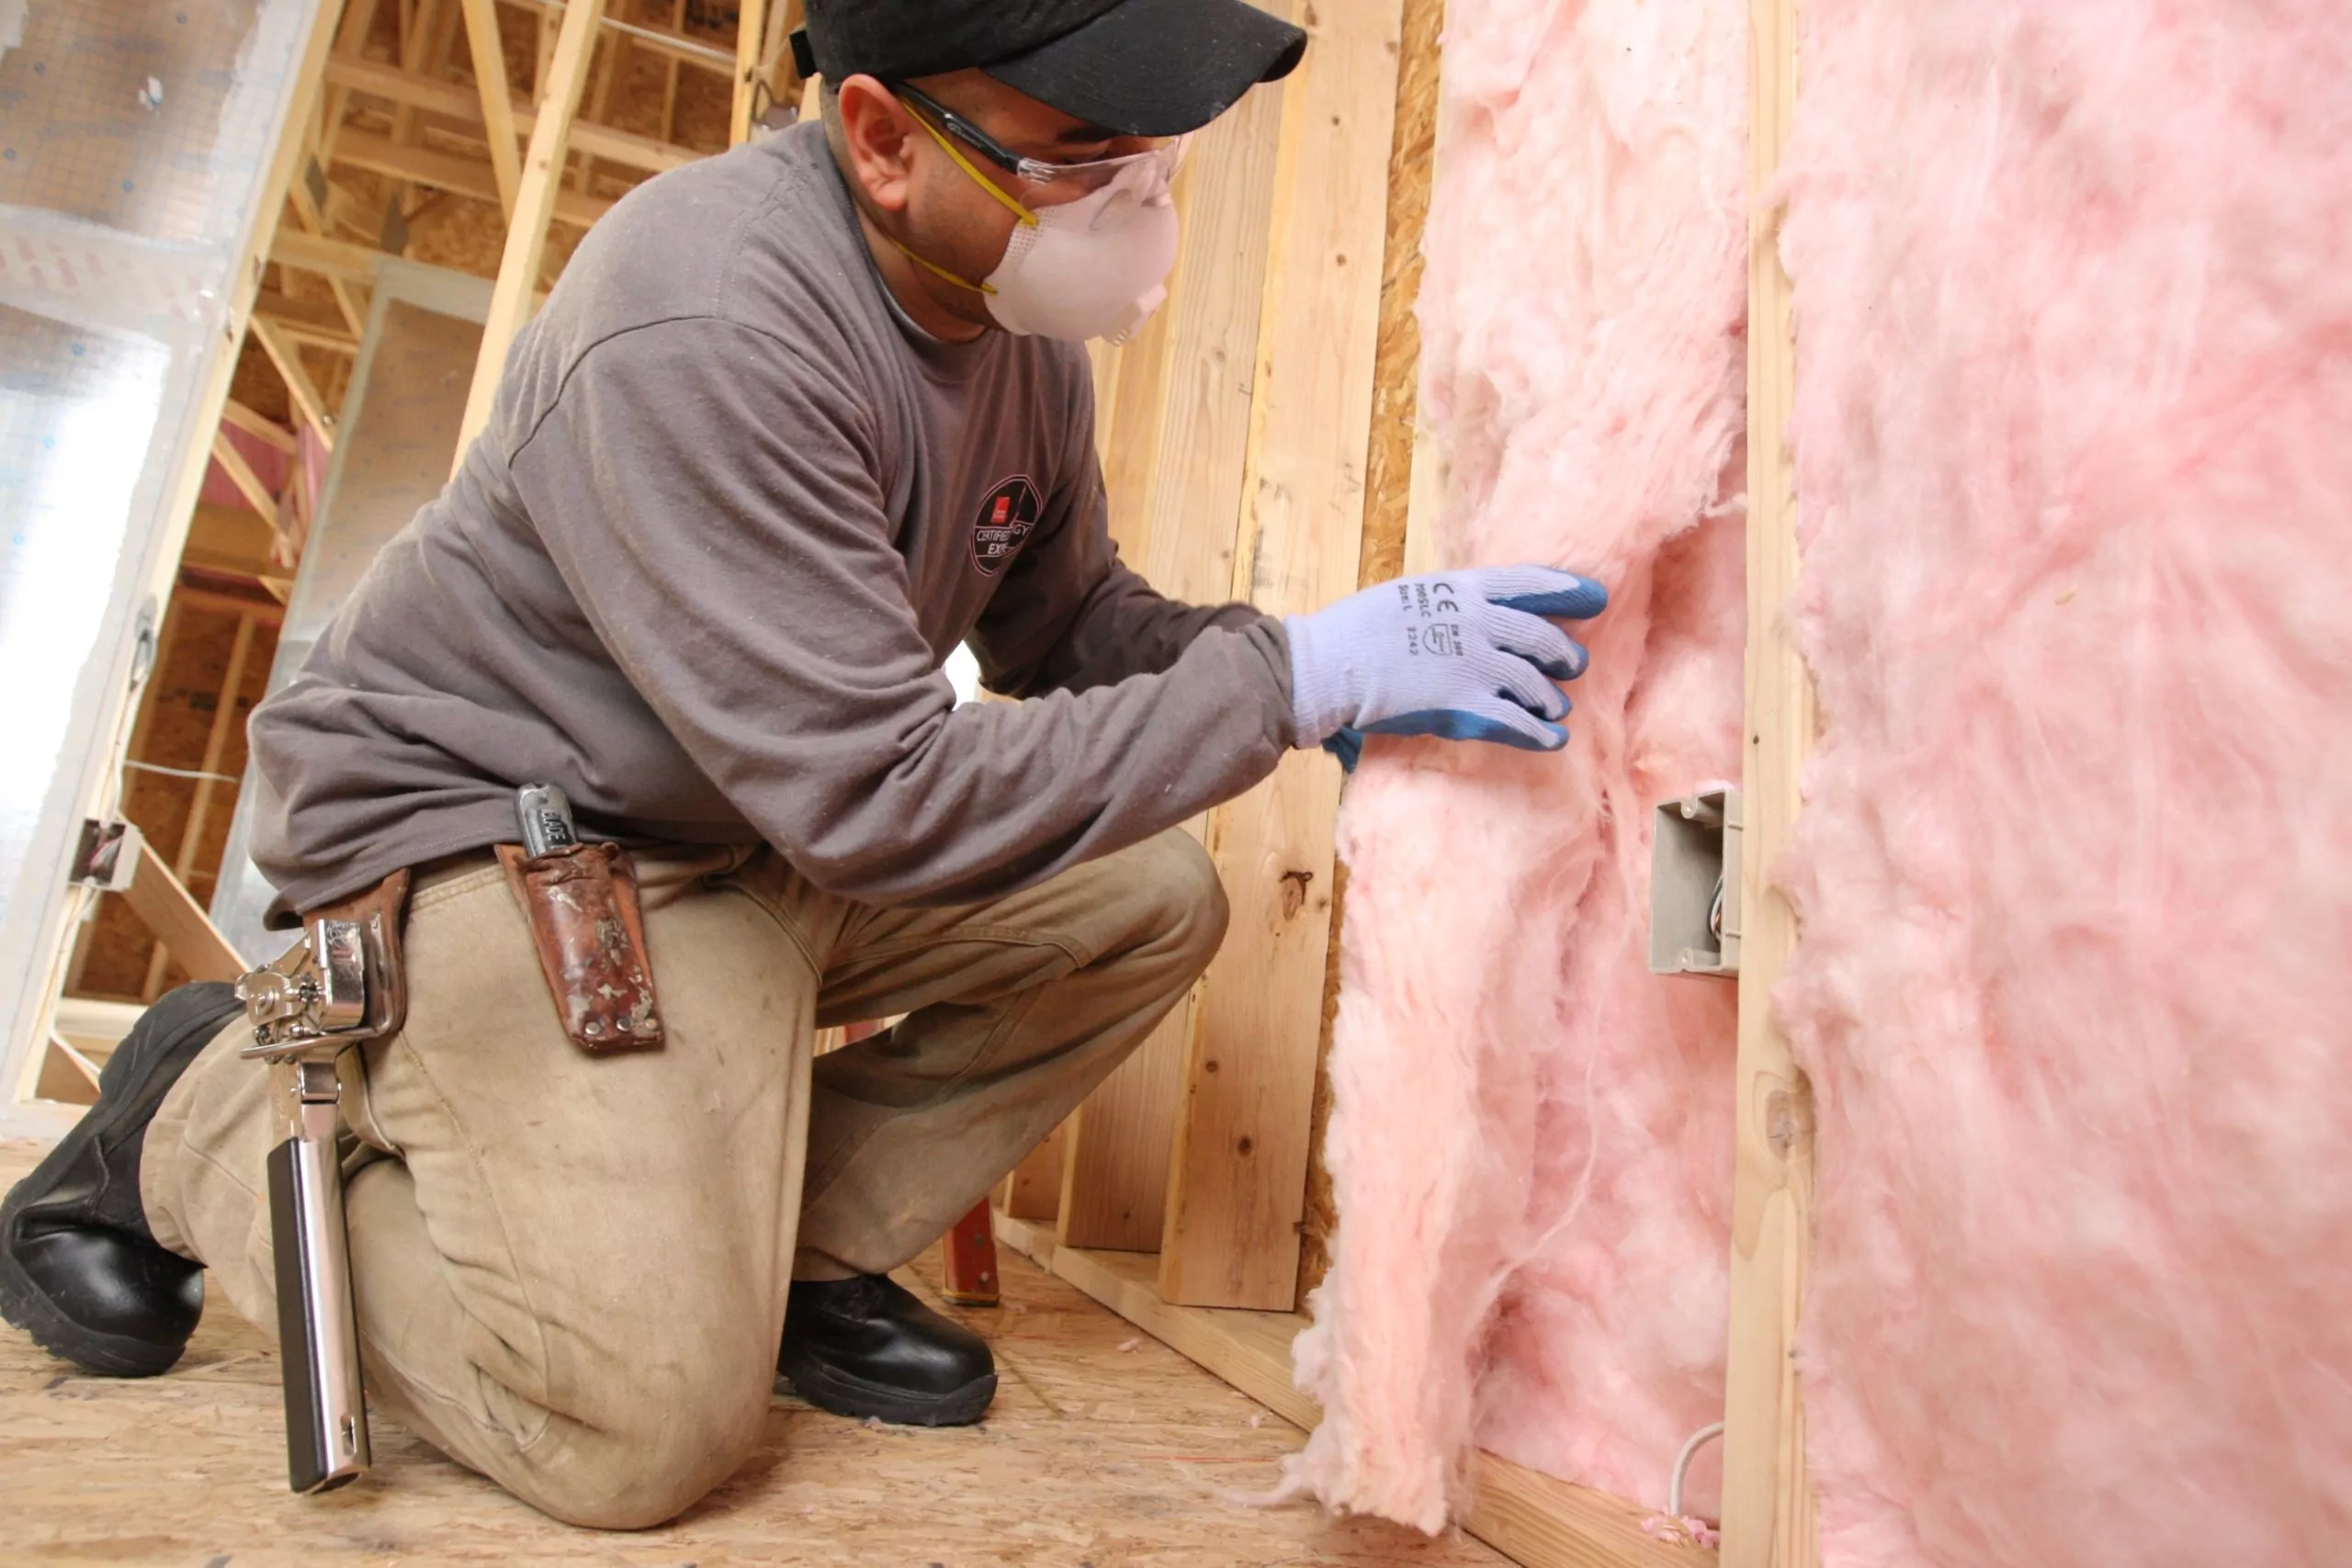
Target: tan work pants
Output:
{"points": [[571, 1271]]}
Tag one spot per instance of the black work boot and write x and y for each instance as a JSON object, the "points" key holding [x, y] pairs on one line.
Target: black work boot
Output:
{"points": [[866, 1347], [79, 1269]]}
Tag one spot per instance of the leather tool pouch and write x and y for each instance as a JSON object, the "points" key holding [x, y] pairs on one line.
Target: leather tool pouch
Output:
{"points": [[582, 903], [378, 913]]}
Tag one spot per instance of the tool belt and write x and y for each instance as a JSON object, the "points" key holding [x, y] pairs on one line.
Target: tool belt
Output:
{"points": [[347, 979], [343, 983]]}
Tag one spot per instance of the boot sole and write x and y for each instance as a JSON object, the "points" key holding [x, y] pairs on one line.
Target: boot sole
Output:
{"points": [[22, 1302], [840, 1394]]}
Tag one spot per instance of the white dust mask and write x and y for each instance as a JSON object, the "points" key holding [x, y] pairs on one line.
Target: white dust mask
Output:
{"points": [[1094, 267]]}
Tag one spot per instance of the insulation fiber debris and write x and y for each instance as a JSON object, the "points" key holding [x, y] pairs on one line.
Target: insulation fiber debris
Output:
{"points": [[1530, 1137], [2074, 443]]}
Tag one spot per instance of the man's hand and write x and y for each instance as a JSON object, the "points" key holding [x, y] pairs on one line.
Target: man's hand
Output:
{"points": [[1463, 655]]}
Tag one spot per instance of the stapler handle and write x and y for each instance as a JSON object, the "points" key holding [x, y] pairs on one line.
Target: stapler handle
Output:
{"points": [[318, 1328]]}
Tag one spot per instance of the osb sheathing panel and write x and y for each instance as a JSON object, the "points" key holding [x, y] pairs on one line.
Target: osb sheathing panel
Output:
{"points": [[1388, 465], [256, 384], [1388, 473]]}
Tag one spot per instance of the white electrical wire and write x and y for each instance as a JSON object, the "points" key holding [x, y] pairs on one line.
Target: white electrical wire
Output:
{"points": [[182, 773], [1699, 1439]]}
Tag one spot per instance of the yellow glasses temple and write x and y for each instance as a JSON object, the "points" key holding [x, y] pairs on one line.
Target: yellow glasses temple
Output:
{"points": [[985, 183]]}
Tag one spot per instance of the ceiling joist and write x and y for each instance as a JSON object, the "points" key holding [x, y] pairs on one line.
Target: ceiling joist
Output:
{"points": [[462, 106], [448, 171]]}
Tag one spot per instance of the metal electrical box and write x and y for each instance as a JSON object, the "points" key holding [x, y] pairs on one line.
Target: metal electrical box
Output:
{"points": [[1694, 884]]}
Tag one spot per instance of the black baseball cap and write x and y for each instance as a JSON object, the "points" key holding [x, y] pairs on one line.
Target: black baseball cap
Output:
{"points": [[1135, 67]]}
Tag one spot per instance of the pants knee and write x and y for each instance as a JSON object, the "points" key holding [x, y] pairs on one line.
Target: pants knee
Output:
{"points": [[1189, 911], [642, 1474]]}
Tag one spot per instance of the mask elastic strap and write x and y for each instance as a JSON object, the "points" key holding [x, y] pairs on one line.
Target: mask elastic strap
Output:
{"points": [[978, 178], [933, 267]]}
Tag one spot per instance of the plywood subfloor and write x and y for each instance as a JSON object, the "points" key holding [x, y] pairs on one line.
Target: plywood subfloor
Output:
{"points": [[1105, 1449]]}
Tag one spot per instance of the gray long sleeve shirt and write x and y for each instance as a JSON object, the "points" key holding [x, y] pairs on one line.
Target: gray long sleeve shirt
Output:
{"points": [[729, 515]]}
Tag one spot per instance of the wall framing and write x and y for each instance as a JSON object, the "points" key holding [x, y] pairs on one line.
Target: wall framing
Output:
{"points": [[1768, 1501], [1236, 431]]}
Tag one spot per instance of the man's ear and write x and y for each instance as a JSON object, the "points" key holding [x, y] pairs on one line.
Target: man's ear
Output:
{"points": [[879, 138]]}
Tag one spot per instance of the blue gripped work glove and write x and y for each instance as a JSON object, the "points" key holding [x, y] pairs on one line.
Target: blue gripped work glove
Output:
{"points": [[1462, 655]]}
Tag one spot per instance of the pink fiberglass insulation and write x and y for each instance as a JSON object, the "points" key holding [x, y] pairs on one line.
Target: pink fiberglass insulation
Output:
{"points": [[2074, 440], [1531, 1139]]}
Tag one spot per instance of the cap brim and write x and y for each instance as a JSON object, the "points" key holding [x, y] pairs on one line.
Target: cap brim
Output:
{"points": [[1158, 67]]}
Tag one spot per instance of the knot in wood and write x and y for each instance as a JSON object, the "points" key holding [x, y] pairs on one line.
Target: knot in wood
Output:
{"points": [[1788, 1119]]}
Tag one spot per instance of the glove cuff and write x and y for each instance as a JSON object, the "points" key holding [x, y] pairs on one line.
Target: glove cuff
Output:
{"points": [[1319, 697]]}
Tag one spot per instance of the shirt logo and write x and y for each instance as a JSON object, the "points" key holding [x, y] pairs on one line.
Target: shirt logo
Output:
{"points": [[1006, 518]]}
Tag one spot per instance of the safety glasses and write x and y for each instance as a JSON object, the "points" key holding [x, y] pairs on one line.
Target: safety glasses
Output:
{"points": [[1056, 181]]}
